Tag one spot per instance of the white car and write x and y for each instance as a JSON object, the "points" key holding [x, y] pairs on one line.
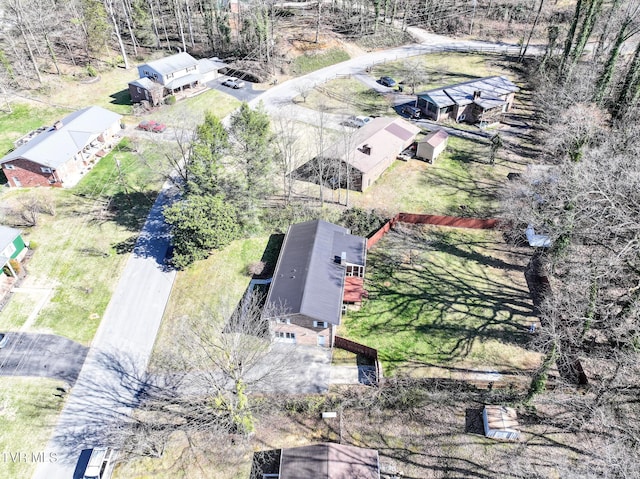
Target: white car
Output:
{"points": [[356, 121], [233, 82]]}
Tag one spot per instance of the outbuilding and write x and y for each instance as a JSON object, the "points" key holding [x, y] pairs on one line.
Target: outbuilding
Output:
{"points": [[501, 422], [430, 147]]}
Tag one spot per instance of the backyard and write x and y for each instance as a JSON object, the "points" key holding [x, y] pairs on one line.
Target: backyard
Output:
{"points": [[445, 299]]}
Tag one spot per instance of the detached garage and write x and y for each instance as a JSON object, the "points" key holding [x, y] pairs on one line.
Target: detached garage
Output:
{"points": [[432, 145], [501, 422]]}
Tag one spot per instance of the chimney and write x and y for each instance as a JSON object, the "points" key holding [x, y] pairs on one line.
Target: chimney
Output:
{"points": [[477, 94], [57, 125], [366, 149]]}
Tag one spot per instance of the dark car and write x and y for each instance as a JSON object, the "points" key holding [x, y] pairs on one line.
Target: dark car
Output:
{"points": [[3, 340], [387, 81], [411, 111]]}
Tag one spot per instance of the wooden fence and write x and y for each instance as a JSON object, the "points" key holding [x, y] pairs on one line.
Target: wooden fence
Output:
{"points": [[438, 220], [366, 351]]}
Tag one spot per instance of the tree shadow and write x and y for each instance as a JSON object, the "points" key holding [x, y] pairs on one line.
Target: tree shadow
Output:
{"points": [[265, 462]]}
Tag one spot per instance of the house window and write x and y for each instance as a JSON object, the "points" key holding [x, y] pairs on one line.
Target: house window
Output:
{"points": [[169, 75], [320, 324], [45, 169], [9, 166], [283, 321], [286, 337], [139, 89], [355, 270], [431, 107]]}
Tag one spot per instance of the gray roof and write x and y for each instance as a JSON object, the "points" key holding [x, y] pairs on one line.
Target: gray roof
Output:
{"points": [[54, 147], [492, 88], [172, 63], [308, 278], [329, 461], [211, 64], [7, 235], [146, 83], [182, 81], [435, 137]]}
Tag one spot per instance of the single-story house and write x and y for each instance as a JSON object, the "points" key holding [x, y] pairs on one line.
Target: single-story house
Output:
{"points": [[357, 162], [482, 100], [432, 145], [326, 461], [12, 246], [59, 155], [500, 422], [321, 266], [165, 76]]}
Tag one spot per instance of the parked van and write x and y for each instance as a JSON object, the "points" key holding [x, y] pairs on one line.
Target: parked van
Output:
{"points": [[98, 462]]}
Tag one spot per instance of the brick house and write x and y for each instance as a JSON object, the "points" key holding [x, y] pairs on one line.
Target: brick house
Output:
{"points": [[321, 265], [357, 162], [482, 100], [61, 154]]}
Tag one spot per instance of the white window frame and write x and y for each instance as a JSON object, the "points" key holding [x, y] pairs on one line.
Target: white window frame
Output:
{"points": [[320, 324], [46, 169], [9, 166]]}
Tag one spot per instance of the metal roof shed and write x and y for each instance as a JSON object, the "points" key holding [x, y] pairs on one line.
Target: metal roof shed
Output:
{"points": [[501, 422]]}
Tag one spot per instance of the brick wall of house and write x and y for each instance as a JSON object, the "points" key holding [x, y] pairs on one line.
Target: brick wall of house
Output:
{"points": [[28, 174], [306, 333]]}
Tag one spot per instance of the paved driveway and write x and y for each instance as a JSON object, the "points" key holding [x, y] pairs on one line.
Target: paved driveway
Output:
{"points": [[243, 94], [43, 355]]}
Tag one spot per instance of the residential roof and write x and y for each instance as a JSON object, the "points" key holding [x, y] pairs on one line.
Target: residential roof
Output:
{"points": [[491, 88], [183, 80], [435, 137], [329, 461], [308, 278], [56, 146], [501, 418], [146, 83], [7, 236], [172, 63], [211, 64], [353, 289], [383, 136]]}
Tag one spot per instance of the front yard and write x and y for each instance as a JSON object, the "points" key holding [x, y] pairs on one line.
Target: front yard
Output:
{"points": [[445, 298]]}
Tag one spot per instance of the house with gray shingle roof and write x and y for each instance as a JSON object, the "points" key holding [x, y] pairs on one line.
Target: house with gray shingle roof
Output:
{"points": [[484, 99], [317, 261], [59, 155], [168, 75]]}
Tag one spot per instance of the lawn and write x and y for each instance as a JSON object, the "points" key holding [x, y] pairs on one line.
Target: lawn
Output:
{"points": [[441, 69], [215, 284], [310, 62], [347, 96], [82, 249], [446, 297], [28, 407], [23, 119]]}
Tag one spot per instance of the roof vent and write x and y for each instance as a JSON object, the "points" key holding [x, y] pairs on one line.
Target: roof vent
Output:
{"points": [[477, 94], [366, 149], [57, 125]]}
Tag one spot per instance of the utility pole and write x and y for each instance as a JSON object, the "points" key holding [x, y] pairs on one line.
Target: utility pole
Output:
{"points": [[473, 15]]}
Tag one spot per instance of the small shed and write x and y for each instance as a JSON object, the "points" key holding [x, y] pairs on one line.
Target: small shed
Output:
{"points": [[432, 145], [500, 422]]}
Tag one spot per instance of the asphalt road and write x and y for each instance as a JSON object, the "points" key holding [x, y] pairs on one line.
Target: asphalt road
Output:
{"points": [[114, 371], [42, 355]]}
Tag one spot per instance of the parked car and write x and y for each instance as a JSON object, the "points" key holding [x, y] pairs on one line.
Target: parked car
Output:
{"points": [[147, 125], [3, 340], [356, 121], [411, 111], [387, 81], [233, 82], [159, 128]]}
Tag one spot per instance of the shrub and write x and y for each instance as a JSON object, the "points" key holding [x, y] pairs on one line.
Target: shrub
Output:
{"points": [[256, 268], [170, 100], [15, 265], [91, 71], [362, 222], [33, 245]]}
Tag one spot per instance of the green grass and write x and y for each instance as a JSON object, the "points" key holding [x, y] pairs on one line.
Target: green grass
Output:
{"points": [[187, 114], [310, 62], [214, 284], [347, 95], [438, 70], [460, 176], [28, 409], [23, 119], [83, 248], [443, 296]]}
